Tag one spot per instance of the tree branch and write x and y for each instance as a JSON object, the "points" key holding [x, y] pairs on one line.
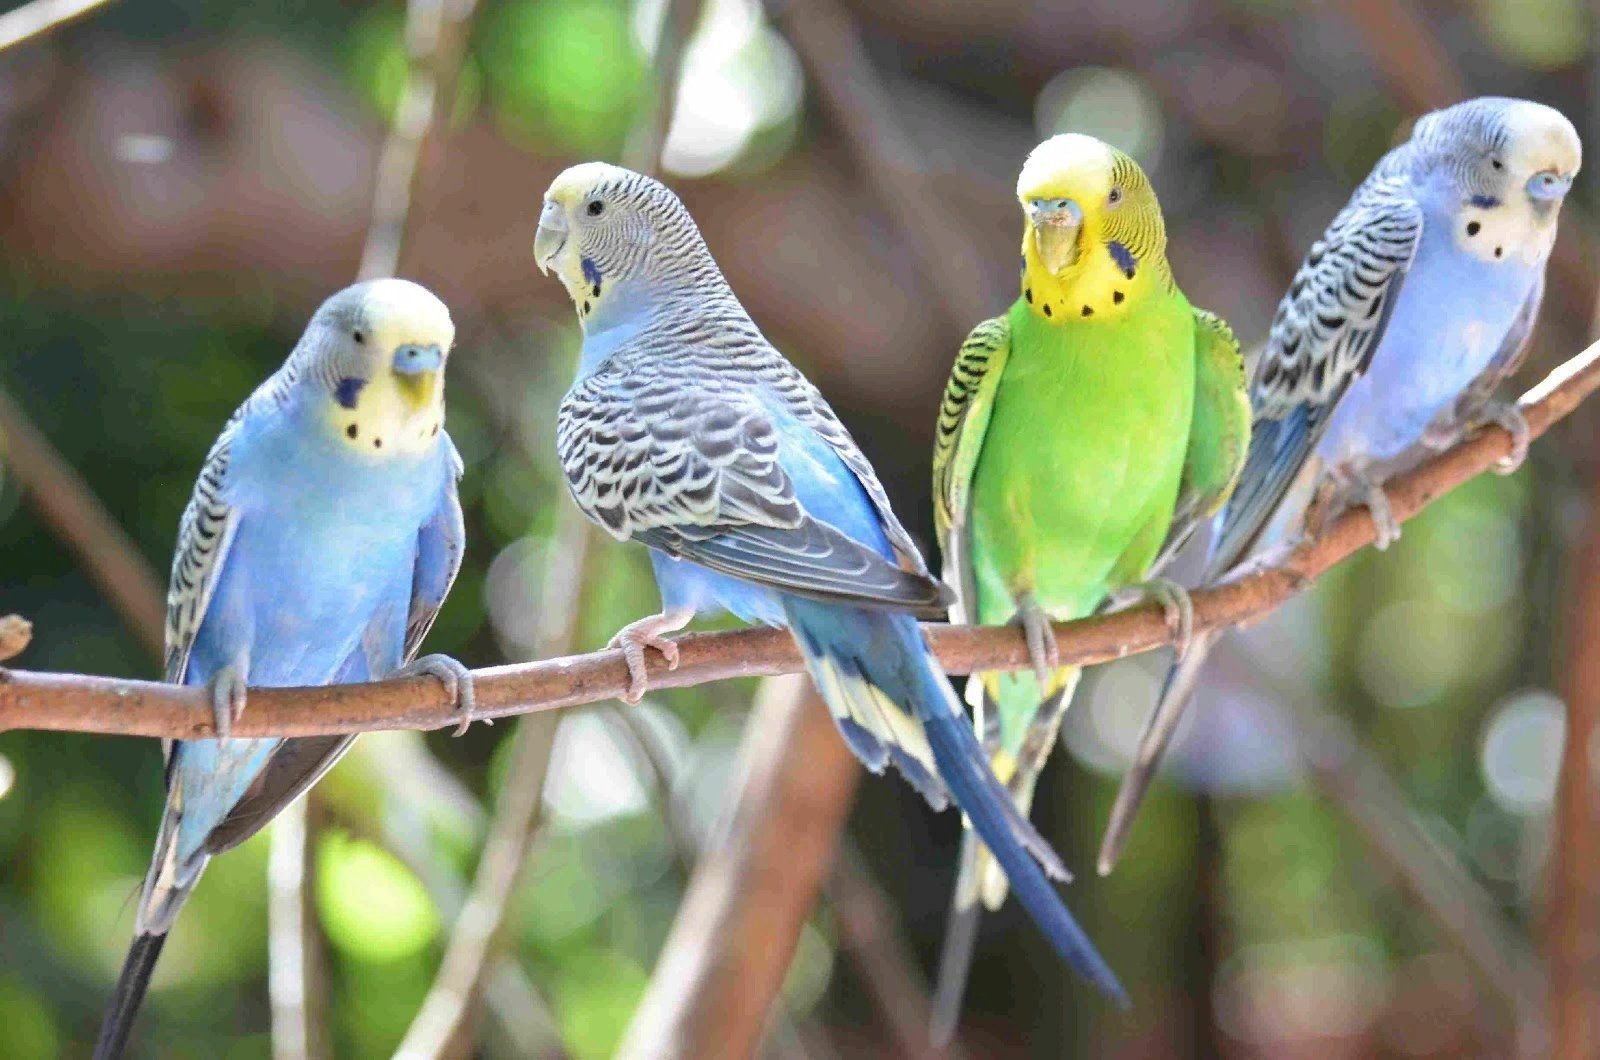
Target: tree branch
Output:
{"points": [[77, 703], [41, 17]]}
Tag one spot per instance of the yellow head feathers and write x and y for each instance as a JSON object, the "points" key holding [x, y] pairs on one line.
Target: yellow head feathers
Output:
{"points": [[1093, 236]]}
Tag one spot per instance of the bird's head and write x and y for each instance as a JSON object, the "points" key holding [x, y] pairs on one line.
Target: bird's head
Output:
{"points": [[379, 349], [1092, 228], [603, 227], [1510, 164]]}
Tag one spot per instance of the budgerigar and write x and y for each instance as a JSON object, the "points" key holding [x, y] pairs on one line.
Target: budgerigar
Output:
{"points": [[687, 431], [1077, 431], [319, 544], [1401, 323]]}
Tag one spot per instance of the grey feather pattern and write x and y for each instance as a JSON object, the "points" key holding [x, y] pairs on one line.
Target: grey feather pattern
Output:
{"points": [[674, 441], [1322, 339]]}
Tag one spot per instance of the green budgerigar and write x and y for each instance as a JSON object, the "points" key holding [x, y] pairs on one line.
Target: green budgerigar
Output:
{"points": [[1082, 435]]}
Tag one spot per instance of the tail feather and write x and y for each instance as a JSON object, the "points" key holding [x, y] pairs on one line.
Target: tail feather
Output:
{"points": [[129, 994], [1153, 743], [960, 940], [849, 650]]}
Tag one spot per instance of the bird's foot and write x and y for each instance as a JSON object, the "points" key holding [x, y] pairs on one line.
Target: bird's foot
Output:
{"points": [[228, 693], [1376, 502], [1041, 638], [1176, 605], [647, 632], [457, 681], [1509, 415]]}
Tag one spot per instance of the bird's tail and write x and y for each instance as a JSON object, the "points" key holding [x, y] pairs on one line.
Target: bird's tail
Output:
{"points": [[893, 704], [980, 881], [129, 995], [166, 886], [1153, 742]]}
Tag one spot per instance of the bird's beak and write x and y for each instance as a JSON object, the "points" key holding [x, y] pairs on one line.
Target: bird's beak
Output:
{"points": [[1547, 185], [551, 237], [417, 371], [1057, 224], [417, 360]]}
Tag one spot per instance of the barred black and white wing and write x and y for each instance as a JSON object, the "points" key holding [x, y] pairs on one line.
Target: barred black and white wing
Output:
{"points": [[1322, 339], [688, 463], [205, 533]]}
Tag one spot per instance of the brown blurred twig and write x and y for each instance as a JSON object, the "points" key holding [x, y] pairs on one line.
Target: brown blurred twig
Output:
{"points": [[830, 47], [41, 17], [15, 634], [735, 932], [78, 703], [65, 503], [1572, 914], [436, 37], [869, 931]]}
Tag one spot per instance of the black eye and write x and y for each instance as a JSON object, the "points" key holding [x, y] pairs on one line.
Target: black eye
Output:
{"points": [[1115, 196], [596, 208], [359, 336], [1496, 163]]}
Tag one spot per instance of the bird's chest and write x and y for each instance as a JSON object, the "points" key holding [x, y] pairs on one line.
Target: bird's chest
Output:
{"points": [[326, 540], [1457, 306], [1086, 441]]}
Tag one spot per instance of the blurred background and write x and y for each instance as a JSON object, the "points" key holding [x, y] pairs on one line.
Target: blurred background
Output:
{"points": [[1355, 853]]}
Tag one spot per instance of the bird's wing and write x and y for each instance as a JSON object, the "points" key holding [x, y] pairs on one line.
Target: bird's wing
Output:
{"points": [[1219, 432], [441, 544], [691, 466], [1322, 339], [963, 421], [205, 535]]}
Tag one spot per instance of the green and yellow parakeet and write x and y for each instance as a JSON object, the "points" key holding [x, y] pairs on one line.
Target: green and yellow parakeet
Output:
{"points": [[1093, 424]]}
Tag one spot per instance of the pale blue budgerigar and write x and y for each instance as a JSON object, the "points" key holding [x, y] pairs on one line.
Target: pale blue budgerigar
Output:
{"points": [[321, 539], [687, 431], [1404, 319]]}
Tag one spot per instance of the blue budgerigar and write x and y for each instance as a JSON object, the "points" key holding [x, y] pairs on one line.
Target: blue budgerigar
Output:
{"points": [[1404, 319], [322, 537], [687, 431]]}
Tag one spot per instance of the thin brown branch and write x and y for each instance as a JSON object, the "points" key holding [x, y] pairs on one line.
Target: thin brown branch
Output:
{"points": [[63, 500], [468, 956], [78, 703], [869, 930], [736, 929], [829, 45], [41, 17], [436, 37], [16, 633], [1572, 914]]}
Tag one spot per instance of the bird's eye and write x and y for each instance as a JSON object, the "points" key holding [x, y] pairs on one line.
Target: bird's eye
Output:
{"points": [[1115, 196], [596, 208], [1496, 163], [359, 336]]}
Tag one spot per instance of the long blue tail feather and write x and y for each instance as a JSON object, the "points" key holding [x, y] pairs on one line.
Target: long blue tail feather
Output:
{"points": [[874, 668]]}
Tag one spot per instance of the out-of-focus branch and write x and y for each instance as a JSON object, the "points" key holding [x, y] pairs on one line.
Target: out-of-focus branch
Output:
{"points": [[869, 931], [63, 500], [736, 929], [1349, 775], [468, 955], [293, 960], [436, 36], [77, 703], [829, 45], [15, 634], [1572, 914], [41, 17]]}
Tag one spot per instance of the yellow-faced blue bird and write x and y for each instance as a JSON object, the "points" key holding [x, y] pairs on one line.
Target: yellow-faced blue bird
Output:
{"points": [[320, 541], [687, 431]]}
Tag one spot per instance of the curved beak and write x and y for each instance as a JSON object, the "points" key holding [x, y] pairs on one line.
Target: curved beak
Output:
{"points": [[1547, 185], [551, 237], [1057, 224]]}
